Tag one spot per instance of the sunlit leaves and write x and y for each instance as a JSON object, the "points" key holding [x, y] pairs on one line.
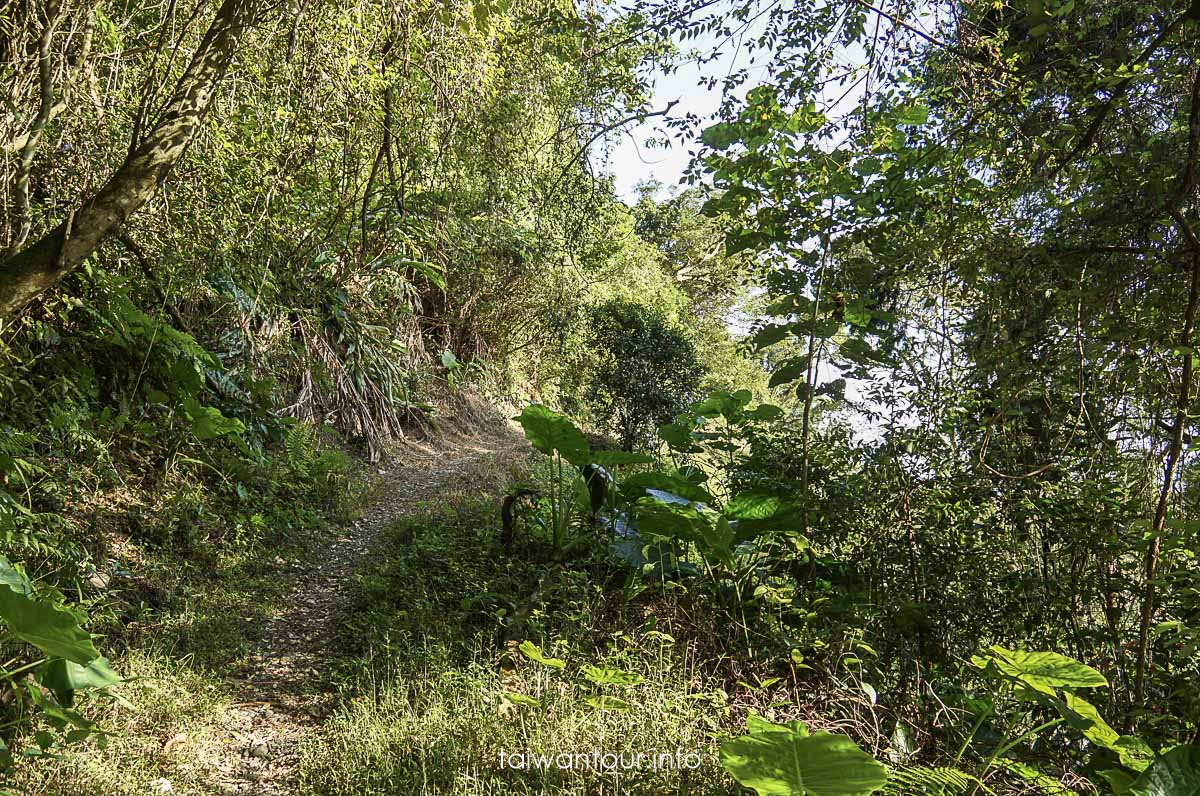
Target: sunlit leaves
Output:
{"points": [[1176, 773], [778, 760], [52, 628], [1045, 671], [550, 432], [534, 653]]}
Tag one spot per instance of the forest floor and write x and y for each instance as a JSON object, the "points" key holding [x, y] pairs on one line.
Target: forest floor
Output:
{"points": [[186, 727], [390, 656], [284, 692]]}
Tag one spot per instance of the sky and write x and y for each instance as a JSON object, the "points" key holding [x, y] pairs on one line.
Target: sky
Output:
{"points": [[630, 161]]}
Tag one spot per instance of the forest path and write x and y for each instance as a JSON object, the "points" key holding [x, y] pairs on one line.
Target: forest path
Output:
{"points": [[284, 693]]}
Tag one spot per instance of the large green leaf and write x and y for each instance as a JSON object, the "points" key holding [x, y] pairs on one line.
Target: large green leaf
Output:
{"points": [[720, 135], [1083, 716], [208, 422], [61, 674], [1177, 773], [789, 370], [1046, 671], [673, 520], [721, 402], [678, 437], [757, 724], [791, 764], [49, 627], [765, 412], [550, 432], [1133, 752], [753, 506], [64, 677], [13, 577], [534, 653], [636, 486], [771, 334]]}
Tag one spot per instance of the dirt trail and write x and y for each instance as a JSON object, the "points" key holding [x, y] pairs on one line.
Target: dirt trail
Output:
{"points": [[282, 694]]}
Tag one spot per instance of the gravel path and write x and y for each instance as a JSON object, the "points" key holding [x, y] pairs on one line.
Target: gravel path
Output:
{"points": [[283, 693]]}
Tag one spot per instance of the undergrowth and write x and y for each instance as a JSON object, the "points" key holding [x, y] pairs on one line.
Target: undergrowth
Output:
{"points": [[439, 695]]}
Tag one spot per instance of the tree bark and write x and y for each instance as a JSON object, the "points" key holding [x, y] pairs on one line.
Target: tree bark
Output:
{"points": [[39, 266], [45, 107]]}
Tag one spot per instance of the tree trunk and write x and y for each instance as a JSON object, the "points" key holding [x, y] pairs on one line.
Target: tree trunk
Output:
{"points": [[39, 266], [1160, 512]]}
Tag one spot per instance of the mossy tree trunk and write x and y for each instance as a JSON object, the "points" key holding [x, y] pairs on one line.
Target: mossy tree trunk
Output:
{"points": [[37, 267]]}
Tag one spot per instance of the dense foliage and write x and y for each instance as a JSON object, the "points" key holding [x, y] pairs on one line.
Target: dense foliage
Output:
{"points": [[645, 372], [905, 379]]}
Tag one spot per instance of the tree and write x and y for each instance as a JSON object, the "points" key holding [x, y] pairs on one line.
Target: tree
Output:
{"points": [[1010, 190], [647, 370], [39, 266]]}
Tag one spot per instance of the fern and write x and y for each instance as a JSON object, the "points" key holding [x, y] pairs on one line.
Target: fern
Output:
{"points": [[1043, 782], [300, 446], [940, 781]]}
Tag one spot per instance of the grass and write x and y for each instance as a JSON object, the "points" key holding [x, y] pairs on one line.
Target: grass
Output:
{"points": [[170, 705], [437, 689], [178, 622]]}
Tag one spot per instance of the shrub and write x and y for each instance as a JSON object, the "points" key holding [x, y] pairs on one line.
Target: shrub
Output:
{"points": [[646, 370]]}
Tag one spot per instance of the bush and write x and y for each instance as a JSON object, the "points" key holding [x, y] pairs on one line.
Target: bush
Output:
{"points": [[646, 371]]}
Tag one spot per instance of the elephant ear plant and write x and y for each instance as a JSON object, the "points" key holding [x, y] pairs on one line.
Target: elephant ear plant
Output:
{"points": [[65, 662], [1046, 684], [557, 437], [788, 760]]}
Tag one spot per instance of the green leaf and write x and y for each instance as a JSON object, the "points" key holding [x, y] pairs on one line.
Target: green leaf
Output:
{"points": [[657, 517], [535, 654], [765, 412], [788, 371], [49, 627], [64, 677], [753, 506], [521, 699], [720, 402], [63, 674], [771, 334], [913, 113], [13, 577], [1045, 671], [1177, 773], [791, 764], [757, 724], [606, 676], [636, 486], [550, 432], [1134, 753], [1120, 781], [1083, 716], [208, 422], [718, 539], [720, 135], [677, 437], [857, 315]]}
